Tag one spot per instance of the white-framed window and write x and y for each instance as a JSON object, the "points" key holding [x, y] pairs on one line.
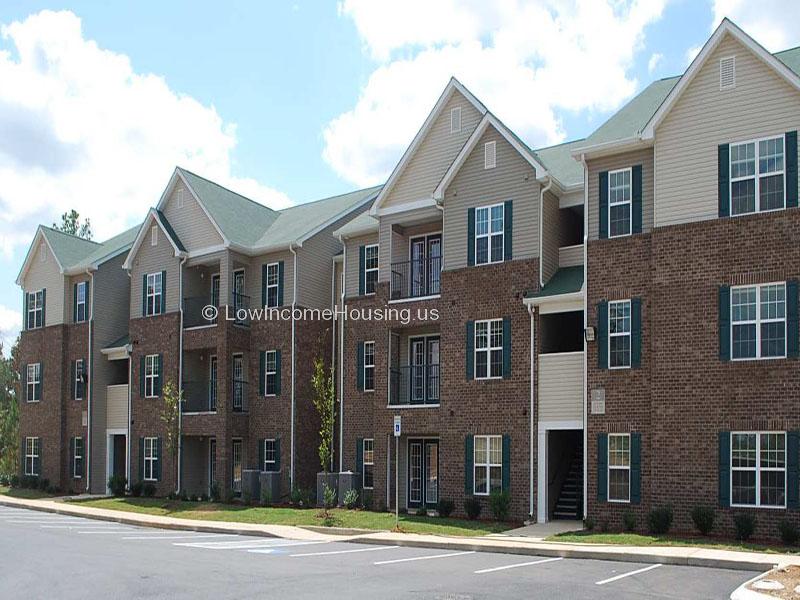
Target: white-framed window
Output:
{"points": [[757, 176], [33, 385], [489, 234], [270, 455], [154, 235], [487, 464], [619, 467], [150, 458], [79, 383], [369, 366], [155, 287], [758, 321], [455, 119], [489, 349], [270, 373], [33, 446], [35, 317], [490, 155], [151, 375], [368, 453], [758, 468], [77, 458], [619, 202], [273, 283], [370, 268], [619, 334], [80, 302]]}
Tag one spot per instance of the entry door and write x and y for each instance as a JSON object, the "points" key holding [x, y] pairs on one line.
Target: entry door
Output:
{"points": [[238, 382], [212, 384], [237, 466], [432, 370], [434, 263], [426, 264], [212, 463], [238, 289], [418, 266], [423, 473], [118, 467], [215, 290], [417, 349]]}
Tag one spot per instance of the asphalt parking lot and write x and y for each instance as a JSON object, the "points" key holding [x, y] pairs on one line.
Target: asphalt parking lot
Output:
{"points": [[46, 555]]}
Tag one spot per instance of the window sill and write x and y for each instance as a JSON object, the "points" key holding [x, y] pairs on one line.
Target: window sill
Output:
{"points": [[415, 299], [758, 359], [199, 412], [32, 401], [393, 406], [758, 507], [619, 501]]}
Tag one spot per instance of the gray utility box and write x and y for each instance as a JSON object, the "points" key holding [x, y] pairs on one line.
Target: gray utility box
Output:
{"points": [[329, 479], [256, 483], [349, 481], [251, 487], [341, 482]]}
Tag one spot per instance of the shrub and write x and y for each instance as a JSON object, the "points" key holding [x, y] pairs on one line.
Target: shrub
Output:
{"points": [[116, 484], [14, 481], [43, 484], [604, 526], [745, 525], [149, 489], [215, 496], [367, 501], [266, 496], [500, 504], [203, 497], [703, 519], [628, 521], [303, 498], [136, 489], [588, 523], [421, 512], [472, 506], [4, 479], [350, 499], [229, 496], [445, 507], [789, 532], [659, 520], [52, 490]]}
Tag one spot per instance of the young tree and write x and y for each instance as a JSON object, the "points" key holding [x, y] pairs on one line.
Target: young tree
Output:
{"points": [[324, 400], [170, 416], [9, 412], [70, 223]]}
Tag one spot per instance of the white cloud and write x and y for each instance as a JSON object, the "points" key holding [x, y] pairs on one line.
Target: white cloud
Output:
{"points": [[10, 325], [79, 128], [691, 53], [655, 60], [527, 60], [772, 23]]}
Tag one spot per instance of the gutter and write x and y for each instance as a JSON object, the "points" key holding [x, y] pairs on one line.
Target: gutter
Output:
{"points": [[180, 373], [291, 434], [531, 312], [585, 324], [541, 216], [333, 342], [341, 358], [90, 391]]}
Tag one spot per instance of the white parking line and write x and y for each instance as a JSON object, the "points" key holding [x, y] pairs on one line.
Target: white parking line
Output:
{"points": [[615, 578], [74, 526], [346, 551], [243, 544], [106, 531], [269, 549], [178, 537], [516, 565], [400, 560]]}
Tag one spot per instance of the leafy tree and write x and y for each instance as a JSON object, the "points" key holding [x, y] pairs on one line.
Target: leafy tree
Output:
{"points": [[170, 416], [324, 400], [70, 223], [9, 411]]}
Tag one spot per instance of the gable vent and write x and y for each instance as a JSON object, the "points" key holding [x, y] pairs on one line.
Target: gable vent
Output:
{"points": [[727, 73], [455, 120], [490, 155]]}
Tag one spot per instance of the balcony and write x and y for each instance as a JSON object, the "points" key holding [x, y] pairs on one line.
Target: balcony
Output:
{"points": [[193, 315], [241, 309], [570, 256], [199, 396], [414, 385], [416, 278], [239, 396]]}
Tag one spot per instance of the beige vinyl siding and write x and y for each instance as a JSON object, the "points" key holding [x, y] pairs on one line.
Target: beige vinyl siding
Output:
{"points": [[561, 386], [253, 276], [393, 230], [351, 261], [570, 256], [512, 179], [117, 406], [69, 297], [762, 104], [623, 161], [550, 236], [46, 275], [434, 155], [191, 224], [154, 259]]}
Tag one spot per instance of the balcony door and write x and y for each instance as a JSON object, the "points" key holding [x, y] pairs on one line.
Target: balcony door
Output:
{"points": [[424, 371], [423, 473], [426, 264], [212, 384]]}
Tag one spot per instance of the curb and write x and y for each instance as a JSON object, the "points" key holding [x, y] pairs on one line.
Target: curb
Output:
{"points": [[742, 593]]}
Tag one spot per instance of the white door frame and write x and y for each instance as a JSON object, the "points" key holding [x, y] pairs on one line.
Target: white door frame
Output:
{"points": [[110, 433], [542, 500]]}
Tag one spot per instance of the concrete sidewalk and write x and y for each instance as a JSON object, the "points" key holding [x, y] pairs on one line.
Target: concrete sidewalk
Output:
{"points": [[672, 555]]}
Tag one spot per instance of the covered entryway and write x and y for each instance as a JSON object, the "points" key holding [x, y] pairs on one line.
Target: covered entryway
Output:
{"points": [[117, 455], [422, 473]]}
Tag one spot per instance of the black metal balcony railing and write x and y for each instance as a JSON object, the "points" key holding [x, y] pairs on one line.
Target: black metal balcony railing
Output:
{"points": [[416, 278], [239, 396], [414, 385], [199, 396], [193, 314], [241, 309]]}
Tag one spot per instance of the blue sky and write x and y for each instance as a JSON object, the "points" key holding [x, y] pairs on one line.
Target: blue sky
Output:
{"points": [[293, 101]]}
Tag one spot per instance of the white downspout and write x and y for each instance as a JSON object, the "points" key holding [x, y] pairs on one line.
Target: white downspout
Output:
{"points": [[333, 343], [130, 406], [180, 373], [341, 357], [585, 324], [531, 312], [291, 433], [541, 229], [90, 387]]}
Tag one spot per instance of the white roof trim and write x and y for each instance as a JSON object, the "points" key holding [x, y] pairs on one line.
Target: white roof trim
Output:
{"points": [[369, 198], [177, 174], [726, 27], [610, 147], [452, 85], [405, 207], [26, 264], [152, 213], [365, 229], [568, 297], [488, 119]]}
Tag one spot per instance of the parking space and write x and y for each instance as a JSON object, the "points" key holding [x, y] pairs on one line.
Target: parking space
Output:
{"points": [[336, 566]]}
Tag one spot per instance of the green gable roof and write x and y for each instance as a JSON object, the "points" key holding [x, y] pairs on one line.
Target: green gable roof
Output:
{"points": [[567, 280], [559, 161], [69, 249]]}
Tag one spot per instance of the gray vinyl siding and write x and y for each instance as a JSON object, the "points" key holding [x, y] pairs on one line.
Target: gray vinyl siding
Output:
{"points": [[190, 223], [46, 275], [623, 161], [761, 104], [434, 155], [561, 387], [512, 179], [393, 231], [550, 236], [154, 259], [253, 276], [351, 261], [69, 298], [116, 409]]}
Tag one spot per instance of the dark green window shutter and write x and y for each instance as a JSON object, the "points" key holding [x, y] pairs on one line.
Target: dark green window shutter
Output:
{"points": [[44, 308], [506, 347], [73, 374], [141, 459], [724, 477], [261, 444], [470, 350], [469, 457], [602, 467], [362, 275], [723, 180], [263, 285], [280, 283], [506, 463], [792, 449], [141, 376], [636, 468], [72, 456], [636, 199], [603, 204], [144, 295], [160, 378], [37, 462], [74, 302], [277, 372], [791, 169], [163, 292], [360, 367], [41, 380], [23, 378], [262, 365], [24, 310], [360, 457], [508, 229], [602, 335], [791, 319], [471, 237], [724, 302], [277, 466], [636, 333]]}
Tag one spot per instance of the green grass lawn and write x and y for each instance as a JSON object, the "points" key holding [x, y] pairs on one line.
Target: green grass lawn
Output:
{"points": [[637, 539], [22, 493], [358, 519]]}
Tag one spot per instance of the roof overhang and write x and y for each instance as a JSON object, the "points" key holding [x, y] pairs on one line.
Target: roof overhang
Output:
{"points": [[118, 353], [153, 215], [557, 303], [628, 144], [26, 264], [351, 232]]}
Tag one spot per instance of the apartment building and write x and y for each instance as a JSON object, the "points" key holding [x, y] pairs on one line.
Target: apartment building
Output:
{"points": [[143, 324]]}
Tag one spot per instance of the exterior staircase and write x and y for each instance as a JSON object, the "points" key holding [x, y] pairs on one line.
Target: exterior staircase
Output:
{"points": [[570, 498]]}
